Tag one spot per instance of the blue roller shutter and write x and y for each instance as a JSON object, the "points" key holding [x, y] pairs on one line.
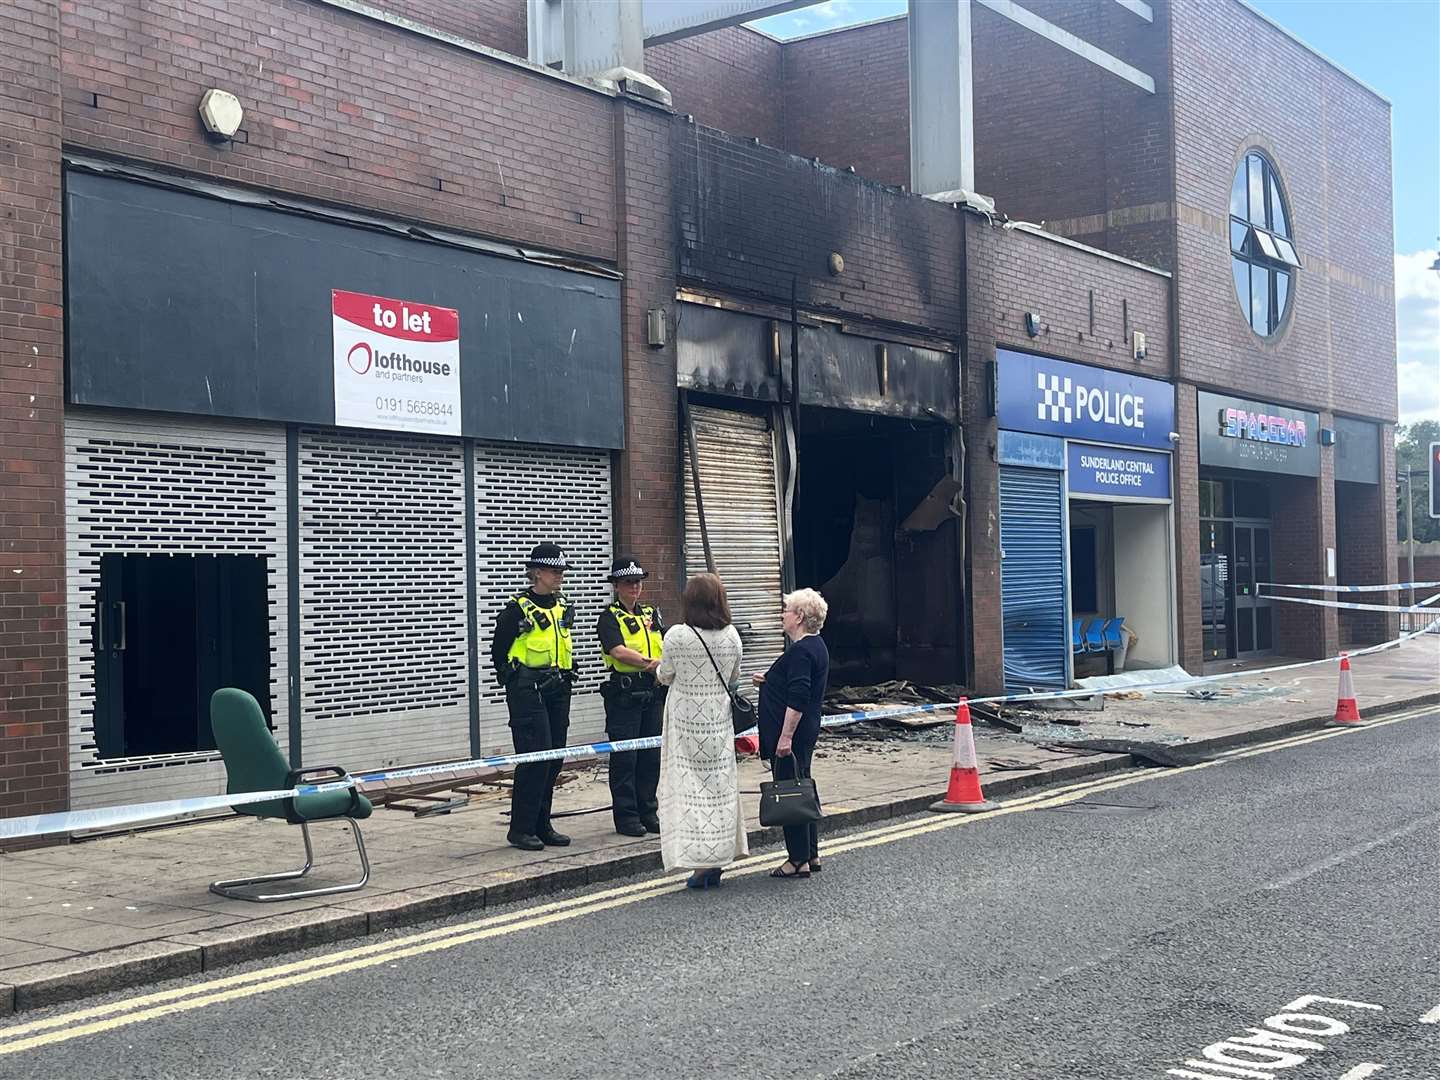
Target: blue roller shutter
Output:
{"points": [[1032, 579]]}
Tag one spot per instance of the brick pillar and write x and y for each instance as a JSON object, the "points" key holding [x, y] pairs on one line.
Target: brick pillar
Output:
{"points": [[1390, 528], [647, 506], [1329, 643], [982, 498], [34, 768], [1187, 526]]}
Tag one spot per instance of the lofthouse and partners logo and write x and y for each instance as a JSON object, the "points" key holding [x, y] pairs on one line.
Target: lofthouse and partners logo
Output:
{"points": [[1260, 427], [396, 363], [1063, 400]]}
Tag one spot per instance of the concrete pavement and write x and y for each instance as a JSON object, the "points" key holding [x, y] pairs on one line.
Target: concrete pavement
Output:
{"points": [[129, 910]]}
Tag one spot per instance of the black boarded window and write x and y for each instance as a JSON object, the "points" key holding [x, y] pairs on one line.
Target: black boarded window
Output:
{"points": [[1262, 252]]}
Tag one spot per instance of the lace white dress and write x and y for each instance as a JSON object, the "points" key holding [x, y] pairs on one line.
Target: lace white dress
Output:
{"points": [[700, 821]]}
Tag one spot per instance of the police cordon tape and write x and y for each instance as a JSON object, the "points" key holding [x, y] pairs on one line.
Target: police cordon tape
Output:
{"points": [[1351, 588], [1345, 605], [114, 817]]}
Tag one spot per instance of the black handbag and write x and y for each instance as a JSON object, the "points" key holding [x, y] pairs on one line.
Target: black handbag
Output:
{"points": [[742, 712], [789, 802]]}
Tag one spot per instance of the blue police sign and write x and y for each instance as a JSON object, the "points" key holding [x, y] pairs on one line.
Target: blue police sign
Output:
{"points": [[1075, 401], [1117, 473]]}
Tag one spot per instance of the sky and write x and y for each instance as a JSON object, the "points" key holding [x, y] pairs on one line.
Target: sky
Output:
{"points": [[1392, 46]]}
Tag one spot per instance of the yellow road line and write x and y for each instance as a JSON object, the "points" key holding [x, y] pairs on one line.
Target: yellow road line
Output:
{"points": [[135, 1010]]}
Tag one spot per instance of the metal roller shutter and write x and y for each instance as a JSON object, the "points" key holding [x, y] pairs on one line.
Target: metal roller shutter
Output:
{"points": [[736, 452], [525, 495], [382, 599], [1032, 579], [138, 485]]}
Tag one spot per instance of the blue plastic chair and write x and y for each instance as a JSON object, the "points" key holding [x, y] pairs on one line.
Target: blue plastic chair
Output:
{"points": [[1077, 636], [1111, 634], [1095, 636]]}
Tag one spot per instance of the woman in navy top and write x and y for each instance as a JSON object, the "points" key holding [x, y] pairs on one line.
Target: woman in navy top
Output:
{"points": [[791, 693]]}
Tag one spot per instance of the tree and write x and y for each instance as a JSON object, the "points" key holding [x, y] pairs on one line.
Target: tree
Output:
{"points": [[1412, 449]]}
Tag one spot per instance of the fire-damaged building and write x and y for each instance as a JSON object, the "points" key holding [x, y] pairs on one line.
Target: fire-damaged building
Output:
{"points": [[1040, 339]]}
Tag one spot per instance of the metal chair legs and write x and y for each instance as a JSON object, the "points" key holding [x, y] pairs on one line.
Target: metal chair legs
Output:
{"points": [[232, 887]]}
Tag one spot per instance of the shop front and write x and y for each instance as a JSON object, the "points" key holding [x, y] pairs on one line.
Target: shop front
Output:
{"points": [[307, 452], [1259, 478], [826, 455], [1087, 555]]}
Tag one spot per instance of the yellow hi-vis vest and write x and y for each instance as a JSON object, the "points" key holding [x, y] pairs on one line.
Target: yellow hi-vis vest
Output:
{"points": [[546, 642], [639, 633]]}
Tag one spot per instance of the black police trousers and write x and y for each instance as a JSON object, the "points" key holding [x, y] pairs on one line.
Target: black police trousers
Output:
{"points": [[634, 774], [539, 704]]}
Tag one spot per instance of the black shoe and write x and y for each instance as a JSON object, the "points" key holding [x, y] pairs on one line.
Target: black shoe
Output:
{"points": [[551, 838], [630, 828], [524, 841], [652, 825]]}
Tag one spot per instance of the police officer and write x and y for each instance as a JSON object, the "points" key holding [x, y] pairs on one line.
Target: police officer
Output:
{"points": [[531, 652], [630, 639]]}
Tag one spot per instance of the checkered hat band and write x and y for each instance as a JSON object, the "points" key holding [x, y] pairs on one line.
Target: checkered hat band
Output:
{"points": [[559, 564]]}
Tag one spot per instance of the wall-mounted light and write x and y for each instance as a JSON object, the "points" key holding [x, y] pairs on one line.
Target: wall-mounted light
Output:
{"points": [[221, 113], [1137, 345], [1327, 436], [655, 328], [1032, 323], [837, 263]]}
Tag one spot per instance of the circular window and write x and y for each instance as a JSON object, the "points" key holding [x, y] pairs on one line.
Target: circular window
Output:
{"points": [[1262, 252]]}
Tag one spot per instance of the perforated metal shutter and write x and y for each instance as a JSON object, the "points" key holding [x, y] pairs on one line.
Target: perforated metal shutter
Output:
{"points": [[1032, 579], [139, 485], [526, 495], [383, 626], [736, 454]]}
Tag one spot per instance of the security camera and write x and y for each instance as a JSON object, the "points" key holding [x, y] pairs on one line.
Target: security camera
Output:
{"points": [[1174, 436]]}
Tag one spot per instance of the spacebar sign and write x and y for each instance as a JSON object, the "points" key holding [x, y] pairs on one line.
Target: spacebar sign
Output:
{"points": [[1117, 472]]}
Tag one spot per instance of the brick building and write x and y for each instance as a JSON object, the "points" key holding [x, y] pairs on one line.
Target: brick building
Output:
{"points": [[718, 330]]}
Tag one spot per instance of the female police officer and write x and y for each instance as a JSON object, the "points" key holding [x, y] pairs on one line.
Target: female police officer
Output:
{"points": [[532, 656], [630, 639]]}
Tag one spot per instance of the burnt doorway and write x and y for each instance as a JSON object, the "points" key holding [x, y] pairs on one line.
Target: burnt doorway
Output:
{"points": [[169, 631], [874, 531]]}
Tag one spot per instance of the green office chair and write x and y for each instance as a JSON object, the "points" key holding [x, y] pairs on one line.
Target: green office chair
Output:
{"points": [[254, 763]]}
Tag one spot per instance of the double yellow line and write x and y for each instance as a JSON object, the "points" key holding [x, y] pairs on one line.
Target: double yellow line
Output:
{"points": [[95, 1019]]}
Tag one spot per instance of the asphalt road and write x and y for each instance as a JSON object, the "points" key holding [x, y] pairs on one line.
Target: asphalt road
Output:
{"points": [[1275, 915]]}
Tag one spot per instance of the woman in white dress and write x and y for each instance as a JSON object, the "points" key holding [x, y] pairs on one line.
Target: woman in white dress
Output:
{"points": [[701, 827]]}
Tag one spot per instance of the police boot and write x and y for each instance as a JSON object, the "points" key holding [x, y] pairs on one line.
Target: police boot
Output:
{"points": [[551, 838], [629, 828], [524, 841]]}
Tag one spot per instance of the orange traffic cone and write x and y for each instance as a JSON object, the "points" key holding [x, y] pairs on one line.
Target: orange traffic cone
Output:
{"points": [[1346, 710], [964, 795]]}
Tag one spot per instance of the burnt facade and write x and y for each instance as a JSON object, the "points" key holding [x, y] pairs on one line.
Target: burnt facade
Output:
{"points": [[791, 368]]}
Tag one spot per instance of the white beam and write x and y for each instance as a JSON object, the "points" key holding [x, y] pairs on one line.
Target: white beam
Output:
{"points": [[942, 125], [670, 20], [1066, 40], [1139, 7], [603, 35], [545, 23]]}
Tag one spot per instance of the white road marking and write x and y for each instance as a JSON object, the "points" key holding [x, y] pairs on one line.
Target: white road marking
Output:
{"points": [[1361, 1071], [1431, 1017], [1349, 853]]}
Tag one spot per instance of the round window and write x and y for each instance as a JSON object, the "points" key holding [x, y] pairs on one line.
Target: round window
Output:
{"points": [[1262, 251]]}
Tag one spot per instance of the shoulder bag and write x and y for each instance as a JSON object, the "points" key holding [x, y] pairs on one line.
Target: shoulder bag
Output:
{"points": [[789, 802], [742, 712]]}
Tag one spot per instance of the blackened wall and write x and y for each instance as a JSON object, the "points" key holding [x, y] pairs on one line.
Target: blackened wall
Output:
{"points": [[750, 218]]}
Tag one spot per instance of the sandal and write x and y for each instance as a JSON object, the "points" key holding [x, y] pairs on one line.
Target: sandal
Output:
{"points": [[795, 872]]}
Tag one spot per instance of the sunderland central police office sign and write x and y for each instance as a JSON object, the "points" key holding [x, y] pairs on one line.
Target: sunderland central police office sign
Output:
{"points": [[1074, 401]]}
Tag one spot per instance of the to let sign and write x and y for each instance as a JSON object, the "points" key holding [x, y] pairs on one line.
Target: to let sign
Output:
{"points": [[397, 364], [1114, 472]]}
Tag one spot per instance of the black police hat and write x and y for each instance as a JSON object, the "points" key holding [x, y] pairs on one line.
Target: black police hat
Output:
{"points": [[626, 569], [548, 556]]}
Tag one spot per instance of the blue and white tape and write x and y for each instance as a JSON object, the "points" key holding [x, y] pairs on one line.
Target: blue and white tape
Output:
{"points": [[1345, 605], [115, 817], [1352, 588]]}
